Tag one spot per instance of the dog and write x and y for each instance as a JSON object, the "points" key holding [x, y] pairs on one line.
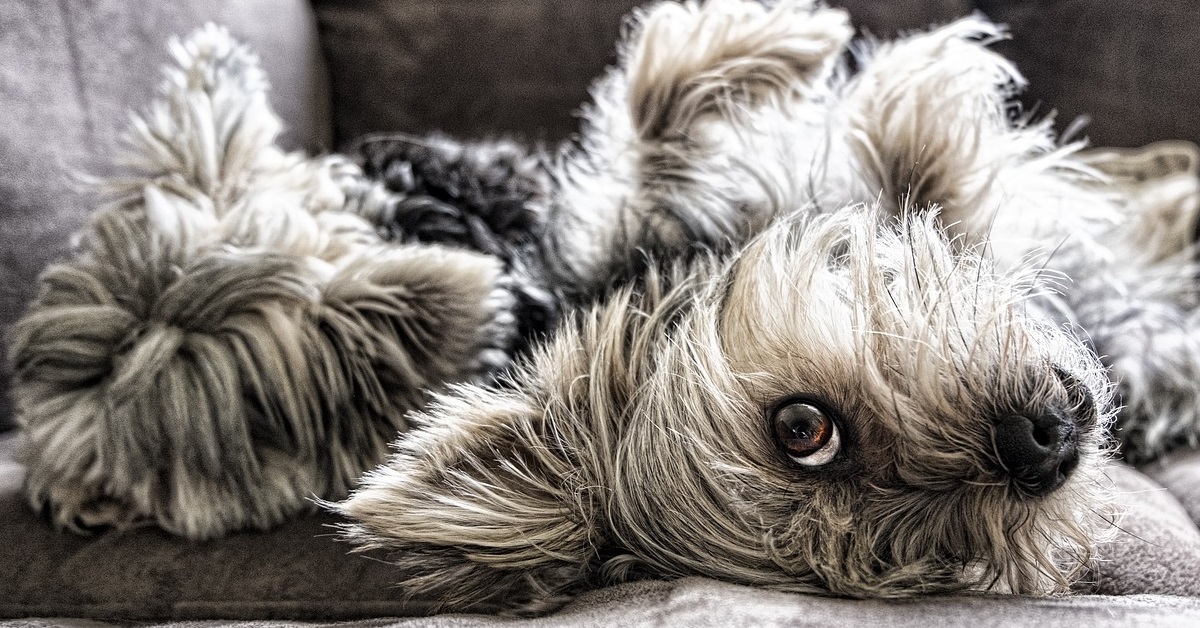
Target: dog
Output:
{"points": [[853, 347], [773, 321]]}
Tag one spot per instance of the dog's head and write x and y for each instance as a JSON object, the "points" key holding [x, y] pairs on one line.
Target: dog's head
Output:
{"points": [[848, 405], [906, 420]]}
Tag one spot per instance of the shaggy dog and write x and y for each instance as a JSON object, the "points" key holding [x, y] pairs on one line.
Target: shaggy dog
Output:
{"points": [[818, 334], [864, 362]]}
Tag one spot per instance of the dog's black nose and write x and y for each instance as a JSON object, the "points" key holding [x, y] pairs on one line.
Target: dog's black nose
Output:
{"points": [[1039, 452]]}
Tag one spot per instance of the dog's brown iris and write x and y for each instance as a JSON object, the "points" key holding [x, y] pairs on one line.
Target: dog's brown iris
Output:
{"points": [[806, 433]]}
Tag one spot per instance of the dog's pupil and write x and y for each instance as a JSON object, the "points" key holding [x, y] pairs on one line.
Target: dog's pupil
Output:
{"points": [[802, 428]]}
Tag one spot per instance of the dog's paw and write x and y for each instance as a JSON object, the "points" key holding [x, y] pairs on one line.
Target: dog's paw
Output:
{"points": [[687, 60], [928, 118], [211, 120]]}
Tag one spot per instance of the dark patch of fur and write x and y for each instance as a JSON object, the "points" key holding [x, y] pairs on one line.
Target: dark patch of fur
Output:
{"points": [[487, 196]]}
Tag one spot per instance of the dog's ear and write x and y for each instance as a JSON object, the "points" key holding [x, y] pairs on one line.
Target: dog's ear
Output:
{"points": [[685, 60], [484, 507]]}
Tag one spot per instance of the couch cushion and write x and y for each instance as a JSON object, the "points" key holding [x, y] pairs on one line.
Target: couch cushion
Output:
{"points": [[300, 571], [1128, 65], [523, 68], [888, 19], [1179, 473], [69, 74]]}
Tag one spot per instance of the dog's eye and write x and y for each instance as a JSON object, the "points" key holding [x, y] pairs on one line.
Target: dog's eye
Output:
{"points": [[807, 434]]}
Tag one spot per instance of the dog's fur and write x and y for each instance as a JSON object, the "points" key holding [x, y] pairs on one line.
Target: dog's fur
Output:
{"points": [[228, 342], [762, 228], [894, 246], [485, 196]]}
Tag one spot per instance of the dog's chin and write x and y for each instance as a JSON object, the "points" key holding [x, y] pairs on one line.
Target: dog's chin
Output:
{"points": [[909, 544]]}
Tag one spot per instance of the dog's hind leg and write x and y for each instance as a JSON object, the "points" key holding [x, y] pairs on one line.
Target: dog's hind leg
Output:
{"points": [[1152, 347], [1140, 307], [675, 146], [212, 120]]}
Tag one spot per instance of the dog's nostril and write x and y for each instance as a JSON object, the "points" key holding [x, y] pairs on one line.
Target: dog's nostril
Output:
{"points": [[1038, 452], [1043, 436]]}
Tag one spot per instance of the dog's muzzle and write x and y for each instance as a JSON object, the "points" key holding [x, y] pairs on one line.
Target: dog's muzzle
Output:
{"points": [[1038, 452]]}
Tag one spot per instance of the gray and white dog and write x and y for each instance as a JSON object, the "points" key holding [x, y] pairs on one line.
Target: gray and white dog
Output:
{"points": [[826, 331], [877, 378]]}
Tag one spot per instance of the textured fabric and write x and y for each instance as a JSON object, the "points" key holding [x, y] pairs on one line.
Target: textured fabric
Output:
{"points": [[69, 74], [466, 68], [1128, 65], [886, 19], [1180, 474], [404, 65], [697, 602], [297, 570], [1157, 546], [524, 69]]}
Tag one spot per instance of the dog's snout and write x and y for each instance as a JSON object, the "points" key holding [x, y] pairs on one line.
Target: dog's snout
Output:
{"points": [[1038, 451]]}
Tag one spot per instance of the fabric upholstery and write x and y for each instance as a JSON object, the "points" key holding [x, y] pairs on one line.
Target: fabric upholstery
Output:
{"points": [[301, 571], [1129, 66], [70, 72], [466, 68], [297, 570], [1180, 474], [404, 65], [886, 19]]}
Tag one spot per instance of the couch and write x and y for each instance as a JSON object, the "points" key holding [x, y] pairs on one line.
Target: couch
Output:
{"points": [[70, 72]]}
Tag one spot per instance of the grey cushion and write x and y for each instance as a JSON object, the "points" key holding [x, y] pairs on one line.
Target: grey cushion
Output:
{"points": [[405, 65], [300, 571], [69, 74], [1131, 66], [467, 68], [517, 68], [887, 18], [696, 602]]}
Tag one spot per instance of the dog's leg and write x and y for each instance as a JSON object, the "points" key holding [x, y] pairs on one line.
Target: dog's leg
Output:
{"points": [[212, 120], [487, 196], [1152, 347], [930, 123], [227, 343], [1140, 307], [674, 147]]}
